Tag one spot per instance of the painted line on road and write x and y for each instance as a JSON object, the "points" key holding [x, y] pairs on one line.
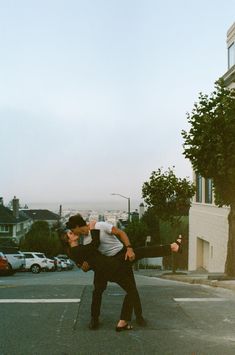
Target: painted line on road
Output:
{"points": [[7, 286], [207, 299], [41, 300]]}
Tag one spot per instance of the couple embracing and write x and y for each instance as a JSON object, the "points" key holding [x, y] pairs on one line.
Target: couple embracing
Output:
{"points": [[107, 251]]}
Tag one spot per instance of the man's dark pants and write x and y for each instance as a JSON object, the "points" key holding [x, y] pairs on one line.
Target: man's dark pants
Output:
{"points": [[127, 282], [125, 279]]}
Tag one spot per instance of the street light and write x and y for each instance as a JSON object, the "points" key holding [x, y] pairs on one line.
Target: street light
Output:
{"points": [[129, 204]]}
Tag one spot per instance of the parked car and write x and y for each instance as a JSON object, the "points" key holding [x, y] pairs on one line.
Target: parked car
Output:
{"points": [[35, 261], [65, 265], [70, 264], [4, 266], [15, 258], [50, 264], [59, 264]]}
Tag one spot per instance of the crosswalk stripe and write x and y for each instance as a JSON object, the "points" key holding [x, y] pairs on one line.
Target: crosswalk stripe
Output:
{"points": [[41, 300], [198, 299]]}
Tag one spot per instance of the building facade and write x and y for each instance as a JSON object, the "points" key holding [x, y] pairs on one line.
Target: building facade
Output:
{"points": [[42, 215], [208, 224], [13, 224]]}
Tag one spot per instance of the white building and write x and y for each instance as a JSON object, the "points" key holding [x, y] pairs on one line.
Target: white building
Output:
{"points": [[208, 224]]}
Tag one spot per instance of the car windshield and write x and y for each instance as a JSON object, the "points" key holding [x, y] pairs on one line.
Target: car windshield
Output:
{"points": [[62, 256], [40, 256]]}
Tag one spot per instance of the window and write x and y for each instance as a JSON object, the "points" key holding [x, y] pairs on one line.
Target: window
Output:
{"points": [[40, 256], [28, 256], [208, 191], [231, 55], [198, 188], [4, 229]]}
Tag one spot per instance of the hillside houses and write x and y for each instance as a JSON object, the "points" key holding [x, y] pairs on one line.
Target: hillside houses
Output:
{"points": [[15, 222]]}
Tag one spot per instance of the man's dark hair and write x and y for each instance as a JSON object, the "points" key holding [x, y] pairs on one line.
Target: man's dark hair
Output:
{"points": [[75, 221]]}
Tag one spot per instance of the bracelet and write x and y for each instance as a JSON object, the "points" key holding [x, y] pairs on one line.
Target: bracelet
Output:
{"points": [[129, 246]]}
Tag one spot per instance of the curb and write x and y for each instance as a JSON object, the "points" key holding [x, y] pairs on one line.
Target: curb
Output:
{"points": [[230, 285], [191, 280]]}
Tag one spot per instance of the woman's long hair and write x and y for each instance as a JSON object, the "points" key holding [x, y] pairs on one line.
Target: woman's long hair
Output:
{"points": [[62, 234]]}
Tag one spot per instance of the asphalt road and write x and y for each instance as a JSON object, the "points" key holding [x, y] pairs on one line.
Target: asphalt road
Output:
{"points": [[48, 314]]}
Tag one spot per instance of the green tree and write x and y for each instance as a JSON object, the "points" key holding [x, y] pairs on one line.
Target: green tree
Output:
{"points": [[169, 198], [41, 238], [137, 232], [151, 220], [210, 146]]}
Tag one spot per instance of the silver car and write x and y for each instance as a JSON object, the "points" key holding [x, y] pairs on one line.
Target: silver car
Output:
{"points": [[68, 262]]}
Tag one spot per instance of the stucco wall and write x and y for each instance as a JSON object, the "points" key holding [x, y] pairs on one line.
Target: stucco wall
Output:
{"points": [[208, 223]]}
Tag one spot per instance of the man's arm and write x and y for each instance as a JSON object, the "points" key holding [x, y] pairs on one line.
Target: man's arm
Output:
{"points": [[74, 248], [124, 238]]}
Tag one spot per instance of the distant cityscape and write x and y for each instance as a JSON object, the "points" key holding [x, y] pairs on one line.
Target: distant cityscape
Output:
{"points": [[110, 211], [111, 216], [100, 206], [90, 211]]}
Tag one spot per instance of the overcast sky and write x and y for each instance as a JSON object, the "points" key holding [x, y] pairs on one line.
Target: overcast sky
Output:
{"points": [[94, 94]]}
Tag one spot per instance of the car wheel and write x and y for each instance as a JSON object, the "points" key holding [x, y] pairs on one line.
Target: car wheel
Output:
{"points": [[35, 269], [10, 271]]}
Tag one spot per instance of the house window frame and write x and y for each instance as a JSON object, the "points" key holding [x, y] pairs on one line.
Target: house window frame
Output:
{"points": [[231, 55], [198, 188], [208, 191], [4, 228]]}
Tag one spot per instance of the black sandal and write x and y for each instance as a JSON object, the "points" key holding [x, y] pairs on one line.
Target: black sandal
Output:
{"points": [[126, 327], [178, 241]]}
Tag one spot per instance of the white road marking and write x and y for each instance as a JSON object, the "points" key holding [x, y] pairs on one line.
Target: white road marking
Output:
{"points": [[207, 299], [41, 300]]}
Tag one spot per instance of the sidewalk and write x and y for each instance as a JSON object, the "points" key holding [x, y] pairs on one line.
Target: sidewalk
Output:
{"points": [[192, 277]]}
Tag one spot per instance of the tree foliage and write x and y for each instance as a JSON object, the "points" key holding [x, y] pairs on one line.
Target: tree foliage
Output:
{"points": [[168, 195], [210, 142], [42, 239], [210, 146], [151, 220], [137, 232]]}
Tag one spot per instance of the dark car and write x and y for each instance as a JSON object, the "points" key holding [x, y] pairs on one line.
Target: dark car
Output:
{"points": [[4, 266]]}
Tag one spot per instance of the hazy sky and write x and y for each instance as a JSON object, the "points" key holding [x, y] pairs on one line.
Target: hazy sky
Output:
{"points": [[94, 94]]}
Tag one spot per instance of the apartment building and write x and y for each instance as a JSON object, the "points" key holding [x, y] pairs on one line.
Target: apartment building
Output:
{"points": [[208, 224]]}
